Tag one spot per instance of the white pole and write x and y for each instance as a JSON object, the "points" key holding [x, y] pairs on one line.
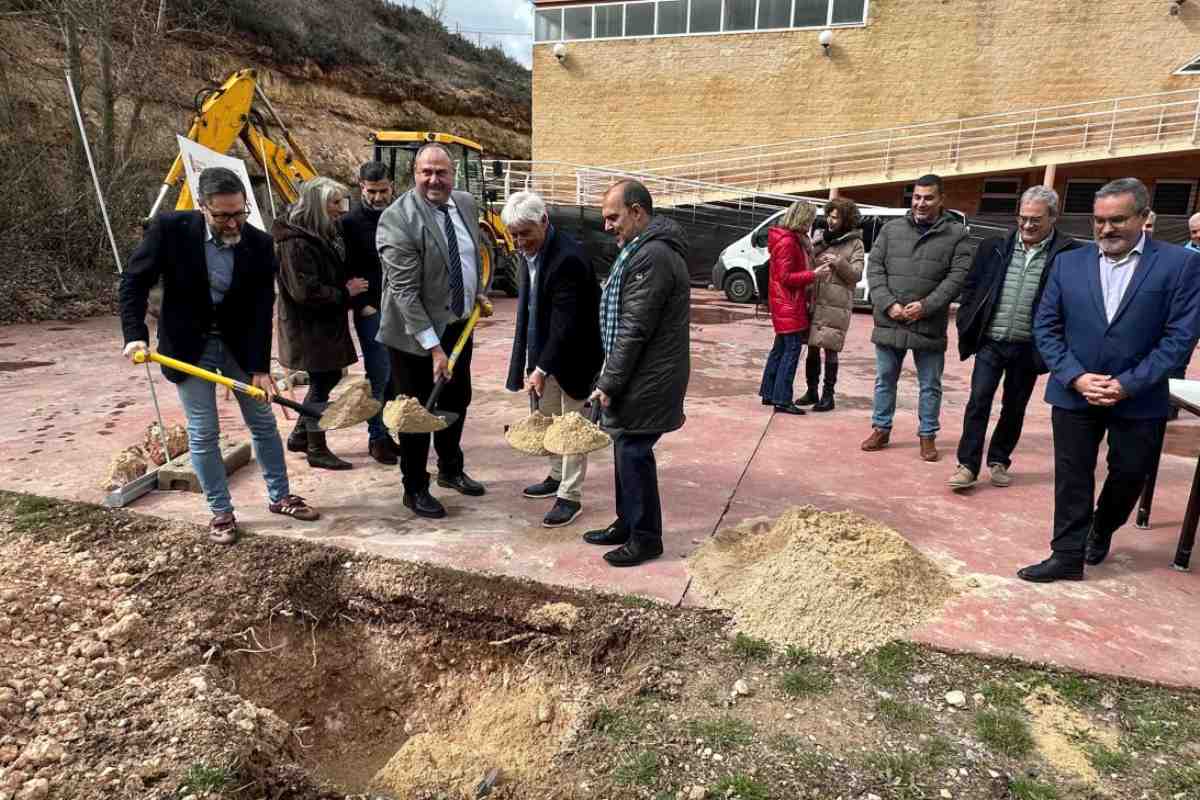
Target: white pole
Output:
{"points": [[87, 148]]}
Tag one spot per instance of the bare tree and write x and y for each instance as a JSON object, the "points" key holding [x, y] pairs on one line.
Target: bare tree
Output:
{"points": [[436, 9]]}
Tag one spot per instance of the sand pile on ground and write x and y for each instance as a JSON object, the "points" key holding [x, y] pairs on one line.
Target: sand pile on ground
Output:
{"points": [[406, 415], [518, 730], [529, 435], [553, 615], [350, 403], [571, 434], [834, 583], [125, 467], [1061, 733], [177, 442]]}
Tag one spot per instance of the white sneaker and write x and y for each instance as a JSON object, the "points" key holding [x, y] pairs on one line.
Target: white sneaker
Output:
{"points": [[962, 478]]}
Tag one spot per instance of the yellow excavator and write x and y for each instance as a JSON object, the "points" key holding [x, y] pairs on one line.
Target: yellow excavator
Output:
{"points": [[229, 113], [397, 149]]}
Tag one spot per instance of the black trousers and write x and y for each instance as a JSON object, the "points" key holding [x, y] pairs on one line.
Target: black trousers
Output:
{"points": [[812, 368], [413, 376], [1131, 452], [320, 384], [639, 509], [1011, 362]]}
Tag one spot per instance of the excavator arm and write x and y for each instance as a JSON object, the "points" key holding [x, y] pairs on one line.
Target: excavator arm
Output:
{"points": [[228, 114]]}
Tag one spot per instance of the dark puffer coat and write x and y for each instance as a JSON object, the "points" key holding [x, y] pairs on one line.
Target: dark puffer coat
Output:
{"points": [[314, 334], [646, 374]]}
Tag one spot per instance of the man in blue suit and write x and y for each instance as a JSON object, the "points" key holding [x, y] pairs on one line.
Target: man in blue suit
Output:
{"points": [[1115, 318]]}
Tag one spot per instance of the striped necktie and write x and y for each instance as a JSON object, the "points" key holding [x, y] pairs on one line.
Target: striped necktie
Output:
{"points": [[456, 268]]}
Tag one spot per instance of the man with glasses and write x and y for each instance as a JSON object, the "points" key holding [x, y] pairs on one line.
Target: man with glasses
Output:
{"points": [[995, 324], [218, 279], [1115, 318]]}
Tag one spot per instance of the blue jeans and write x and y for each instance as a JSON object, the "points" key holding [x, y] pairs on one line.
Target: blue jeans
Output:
{"points": [[199, 399], [780, 372], [888, 361], [378, 367]]}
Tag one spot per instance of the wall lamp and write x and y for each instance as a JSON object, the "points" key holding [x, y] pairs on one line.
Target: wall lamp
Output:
{"points": [[826, 40], [560, 52], [1175, 5]]}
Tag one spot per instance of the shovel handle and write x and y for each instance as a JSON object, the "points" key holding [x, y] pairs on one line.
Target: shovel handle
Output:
{"points": [[221, 380], [431, 403]]}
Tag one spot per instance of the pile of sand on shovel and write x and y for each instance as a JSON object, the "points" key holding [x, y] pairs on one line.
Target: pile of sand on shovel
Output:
{"points": [[572, 434], [407, 415], [350, 403], [529, 435], [834, 583]]}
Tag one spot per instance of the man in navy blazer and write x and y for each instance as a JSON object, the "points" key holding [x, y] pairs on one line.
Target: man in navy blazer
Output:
{"points": [[1115, 318]]}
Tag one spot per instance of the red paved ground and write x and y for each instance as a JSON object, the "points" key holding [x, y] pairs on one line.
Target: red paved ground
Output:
{"points": [[1133, 616]]}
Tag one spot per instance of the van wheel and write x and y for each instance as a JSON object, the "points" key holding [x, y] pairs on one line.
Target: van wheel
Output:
{"points": [[739, 288]]}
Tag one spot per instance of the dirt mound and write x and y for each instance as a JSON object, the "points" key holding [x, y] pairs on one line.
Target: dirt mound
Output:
{"points": [[407, 415], [350, 403], [529, 435], [152, 445], [834, 583], [571, 434], [125, 467], [1061, 733]]}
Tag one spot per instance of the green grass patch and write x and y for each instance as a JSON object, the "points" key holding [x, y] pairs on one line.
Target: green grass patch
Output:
{"points": [[1175, 781], [1107, 762], [898, 712], [201, 778], [890, 664], [1004, 731], [1002, 695], [32, 512], [1154, 720], [1029, 789], [633, 601], [938, 753], [751, 649], [896, 768], [615, 724], [637, 770], [1076, 690], [802, 682], [740, 787], [721, 732], [796, 655]]}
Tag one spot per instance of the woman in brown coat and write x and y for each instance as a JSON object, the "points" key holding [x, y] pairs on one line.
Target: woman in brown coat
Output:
{"points": [[839, 252], [314, 296]]}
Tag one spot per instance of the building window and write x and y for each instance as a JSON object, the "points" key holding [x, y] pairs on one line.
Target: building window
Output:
{"points": [[608, 21], [672, 17], [547, 25], [706, 16], [1190, 68], [1174, 198], [1080, 195], [908, 193], [739, 15], [639, 19], [1000, 196]]}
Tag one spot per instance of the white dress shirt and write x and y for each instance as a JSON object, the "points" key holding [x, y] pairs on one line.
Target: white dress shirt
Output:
{"points": [[429, 338], [1115, 276]]}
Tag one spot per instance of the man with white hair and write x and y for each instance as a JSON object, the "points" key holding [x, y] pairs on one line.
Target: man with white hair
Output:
{"points": [[556, 351], [1193, 233]]}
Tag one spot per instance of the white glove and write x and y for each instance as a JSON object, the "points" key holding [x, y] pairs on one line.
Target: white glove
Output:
{"points": [[133, 347]]}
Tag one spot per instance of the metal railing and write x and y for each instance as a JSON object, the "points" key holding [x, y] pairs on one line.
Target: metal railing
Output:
{"points": [[1112, 127]]}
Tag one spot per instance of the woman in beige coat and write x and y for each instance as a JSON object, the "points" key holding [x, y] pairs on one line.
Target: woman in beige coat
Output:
{"points": [[840, 251]]}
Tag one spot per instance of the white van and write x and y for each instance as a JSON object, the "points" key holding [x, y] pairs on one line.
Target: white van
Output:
{"points": [[742, 265]]}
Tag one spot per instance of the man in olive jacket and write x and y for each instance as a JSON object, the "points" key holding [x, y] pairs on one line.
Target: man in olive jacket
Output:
{"points": [[644, 314], [917, 267]]}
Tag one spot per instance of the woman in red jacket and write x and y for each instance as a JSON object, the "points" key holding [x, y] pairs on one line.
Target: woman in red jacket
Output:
{"points": [[791, 273]]}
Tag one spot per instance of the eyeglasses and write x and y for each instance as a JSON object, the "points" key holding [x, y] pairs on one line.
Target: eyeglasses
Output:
{"points": [[221, 219]]}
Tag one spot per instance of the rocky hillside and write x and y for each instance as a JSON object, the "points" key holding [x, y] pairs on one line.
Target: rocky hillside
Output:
{"points": [[333, 78]]}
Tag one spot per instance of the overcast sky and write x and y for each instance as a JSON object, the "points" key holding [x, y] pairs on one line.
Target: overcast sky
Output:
{"points": [[492, 21]]}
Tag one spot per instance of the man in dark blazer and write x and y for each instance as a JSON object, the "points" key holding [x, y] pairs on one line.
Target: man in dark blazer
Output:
{"points": [[1116, 317], [429, 248], [218, 277], [995, 324], [556, 348]]}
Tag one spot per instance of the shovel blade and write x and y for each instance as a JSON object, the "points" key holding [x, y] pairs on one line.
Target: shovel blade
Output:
{"points": [[449, 417]]}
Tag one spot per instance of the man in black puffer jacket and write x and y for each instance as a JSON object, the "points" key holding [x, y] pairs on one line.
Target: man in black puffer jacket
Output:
{"points": [[644, 315], [362, 261]]}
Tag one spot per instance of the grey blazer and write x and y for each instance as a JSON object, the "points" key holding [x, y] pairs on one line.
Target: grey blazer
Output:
{"points": [[415, 261]]}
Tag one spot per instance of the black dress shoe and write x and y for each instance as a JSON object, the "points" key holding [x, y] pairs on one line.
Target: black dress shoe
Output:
{"points": [[634, 552], [297, 441], [613, 534], [1097, 547], [1054, 568], [462, 483], [383, 451], [808, 398], [790, 408], [547, 488], [563, 513], [424, 504]]}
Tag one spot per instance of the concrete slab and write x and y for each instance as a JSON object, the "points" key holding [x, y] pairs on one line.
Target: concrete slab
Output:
{"points": [[178, 475], [75, 401]]}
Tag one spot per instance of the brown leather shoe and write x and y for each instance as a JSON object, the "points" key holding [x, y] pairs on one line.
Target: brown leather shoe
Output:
{"points": [[929, 451], [878, 440]]}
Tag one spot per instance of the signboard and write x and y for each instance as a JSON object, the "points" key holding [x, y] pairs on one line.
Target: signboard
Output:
{"points": [[197, 157]]}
